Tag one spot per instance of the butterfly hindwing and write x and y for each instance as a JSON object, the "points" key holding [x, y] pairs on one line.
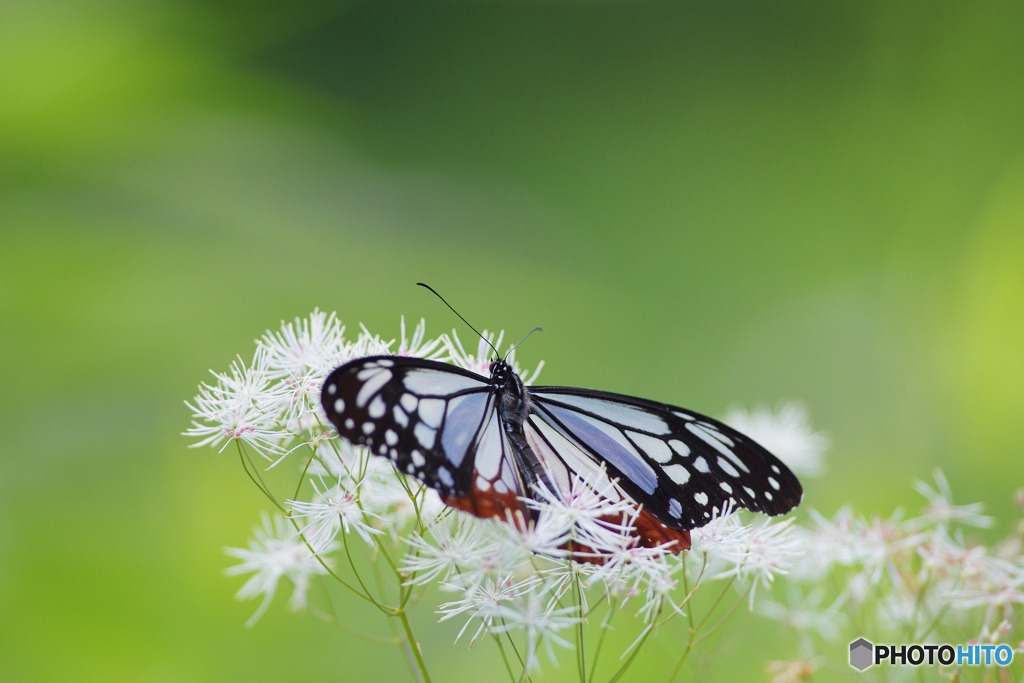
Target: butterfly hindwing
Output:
{"points": [[682, 466]]}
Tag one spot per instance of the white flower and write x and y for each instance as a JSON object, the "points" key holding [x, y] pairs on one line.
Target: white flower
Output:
{"points": [[396, 498], [540, 622], [805, 614], [630, 569], [1004, 586], [480, 363], [482, 600], [546, 536], [274, 553], [878, 545], [944, 555], [331, 510], [940, 505], [367, 344], [568, 574], [237, 407], [339, 459], [760, 552], [312, 345], [459, 546], [833, 543], [660, 589], [723, 530], [785, 433], [420, 347], [585, 509]]}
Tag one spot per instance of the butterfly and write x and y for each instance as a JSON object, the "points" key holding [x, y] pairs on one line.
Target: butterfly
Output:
{"points": [[488, 444]]}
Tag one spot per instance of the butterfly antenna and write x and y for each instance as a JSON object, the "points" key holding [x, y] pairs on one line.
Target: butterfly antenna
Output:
{"points": [[516, 345], [461, 318]]}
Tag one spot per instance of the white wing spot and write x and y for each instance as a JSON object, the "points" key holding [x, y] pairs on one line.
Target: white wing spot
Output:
{"points": [[339, 405], [717, 440], [385, 363], [701, 498], [685, 416], [409, 402], [775, 469], [709, 437], [674, 508], [712, 430], [482, 484], [677, 473], [417, 459], [377, 407], [750, 491], [332, 389], [774, 483], [431, 411], [445, 476], [489, 450], [401, 418], [376, 378], [350, 424], [368, 428], [657, 449], [391, 437], [727, 467], [425, 435], [680, 447], [433, 382], [726, 487], [768, 495], [701, 465]]}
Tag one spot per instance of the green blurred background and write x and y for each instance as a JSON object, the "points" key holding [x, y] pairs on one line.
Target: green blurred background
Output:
{"points": [[704, 203]]}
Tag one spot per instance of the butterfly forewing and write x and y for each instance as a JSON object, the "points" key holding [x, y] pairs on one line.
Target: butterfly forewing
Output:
{"points": [[681, 465], [433, 420]]}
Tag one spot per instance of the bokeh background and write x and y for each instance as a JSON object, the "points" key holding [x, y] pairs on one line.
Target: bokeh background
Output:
{"points": [[705, 203]]}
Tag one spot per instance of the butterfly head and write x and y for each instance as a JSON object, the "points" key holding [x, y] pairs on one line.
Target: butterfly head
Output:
{"points": [[501, 374]]}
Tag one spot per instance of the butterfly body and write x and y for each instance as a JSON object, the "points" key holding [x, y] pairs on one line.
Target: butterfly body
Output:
{"points": [[487, 443]]}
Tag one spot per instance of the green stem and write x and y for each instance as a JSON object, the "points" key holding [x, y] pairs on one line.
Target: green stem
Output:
{"points": [[251, 470], [411, 646], [600, 637], [581, 662], [504, 657]]}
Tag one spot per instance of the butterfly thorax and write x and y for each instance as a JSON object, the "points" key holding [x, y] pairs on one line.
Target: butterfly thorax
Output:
{"points": [[514, 401]]}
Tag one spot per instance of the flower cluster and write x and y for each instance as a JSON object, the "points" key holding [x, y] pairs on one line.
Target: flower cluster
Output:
{"points": [[535, 584], [904, 580]]}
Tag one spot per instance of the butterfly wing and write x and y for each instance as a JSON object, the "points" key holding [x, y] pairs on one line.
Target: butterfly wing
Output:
{"points": [[680, 465], [435, 421]]}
